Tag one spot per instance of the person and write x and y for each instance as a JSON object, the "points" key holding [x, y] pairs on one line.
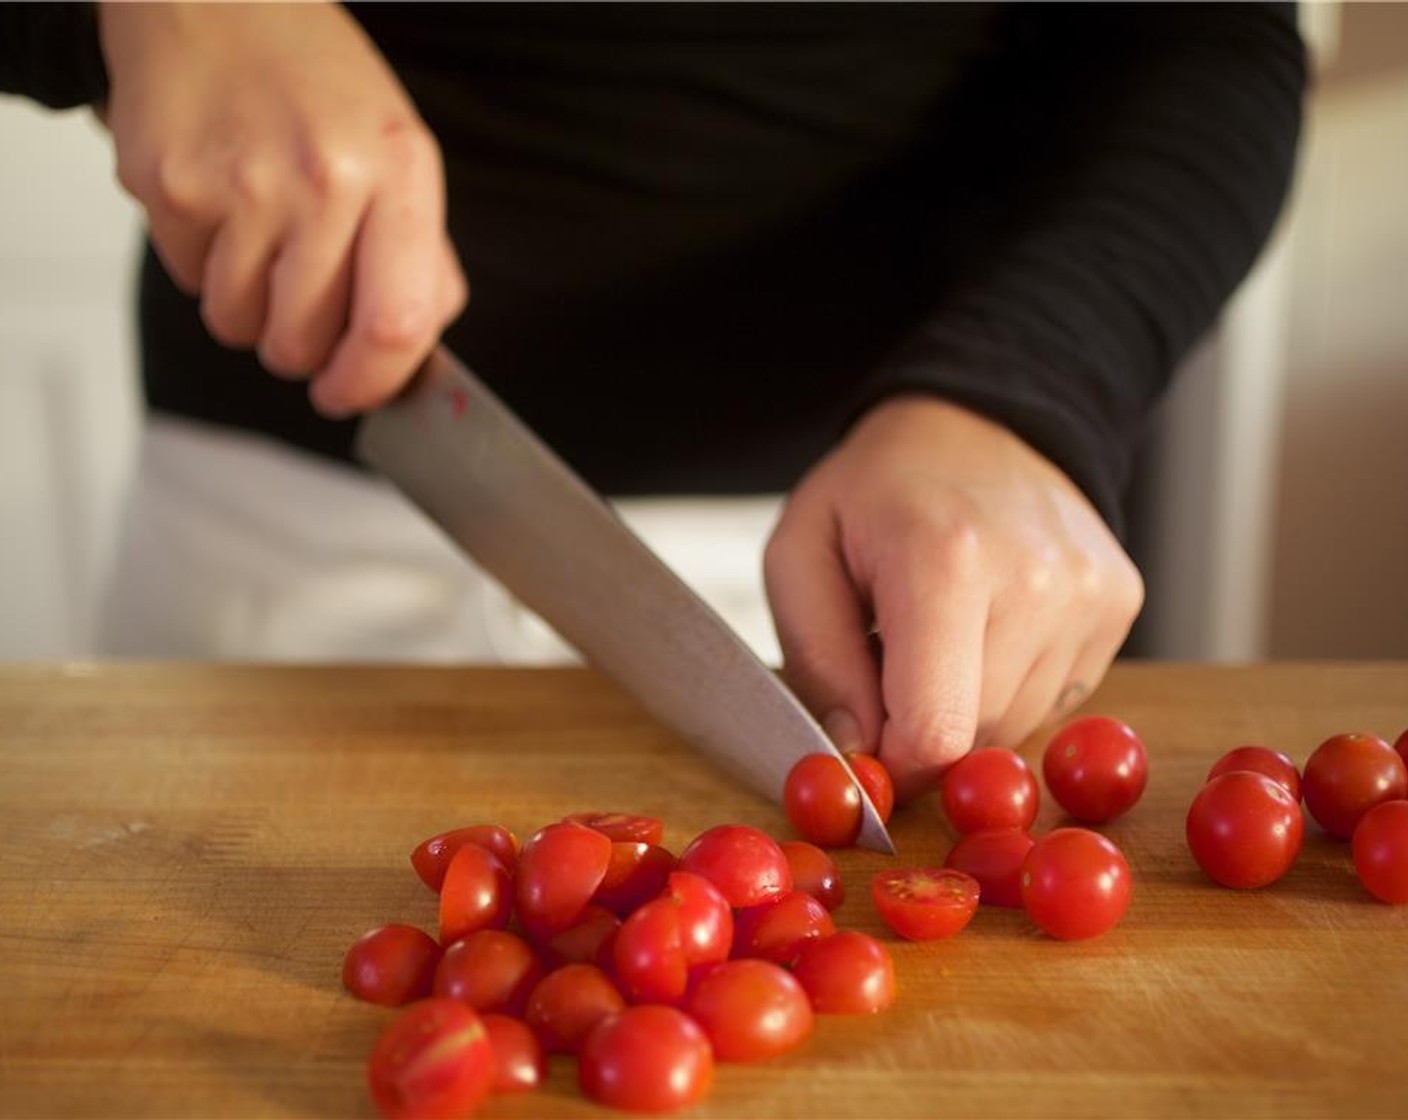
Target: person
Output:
{"points": [[925, 269]]}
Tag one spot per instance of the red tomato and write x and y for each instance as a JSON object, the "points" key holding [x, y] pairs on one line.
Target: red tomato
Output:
{"points": [[434, 1062], [432, 857], [848, 973], [1401, 746], [924, 904], [745, 864], [706, 922], [568, 1003], [623, 827], [588, 940], [1348, 775], [751, 1010], [646, 1059], [636, 874], [822, 801], [775, 930], [1096, 768], [391, 965], [990, 788], [647, 955], [559, 870], [490, 970], [477, 894], [1245, 829], [875, 779], [994, 857], [1380, 849], [1075, 884], [519, 1060], [814, 872], [1260, 760]]}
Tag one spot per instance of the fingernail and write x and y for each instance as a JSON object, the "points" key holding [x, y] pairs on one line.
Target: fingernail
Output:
{"points": [[843, 730]]}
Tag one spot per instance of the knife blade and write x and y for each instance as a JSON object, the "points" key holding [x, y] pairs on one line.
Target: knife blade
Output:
{"points": [[507, 499]]}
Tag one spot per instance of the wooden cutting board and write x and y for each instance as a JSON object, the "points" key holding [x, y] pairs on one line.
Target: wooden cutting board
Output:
{"points": [[186, 852]]}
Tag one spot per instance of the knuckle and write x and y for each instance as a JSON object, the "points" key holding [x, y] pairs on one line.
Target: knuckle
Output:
{"points": [[288, 352], [251, 181], [331, 171], [165, 182], [398, 325], [410, 145], [227, 324]]}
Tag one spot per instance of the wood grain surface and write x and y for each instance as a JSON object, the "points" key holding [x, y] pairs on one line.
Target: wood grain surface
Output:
{"points": [[186, 852]]}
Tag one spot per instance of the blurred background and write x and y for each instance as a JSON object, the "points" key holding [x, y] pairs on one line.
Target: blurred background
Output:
{"points": [[1272, 505]]}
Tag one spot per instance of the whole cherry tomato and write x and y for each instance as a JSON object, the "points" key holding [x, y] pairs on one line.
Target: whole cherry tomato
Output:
{"points": [[490, 970], [1346, 776], [567, 1003], [519, 1060], [623, 827], [994, 857], [924, 904], [875, 779], [635, 874], [706, 921], [391, 965], [1096, 768], [814, 872], [477, 893], [775, 930], [646, 1059], [588, 940], [1260, 760], [1380, 847], [848, 973], [1075, 884], [751, 1010], [431, 857], [1245, 829], [559, 870], [822, 801], [991, 787], [434, 1062], [744, 863]]}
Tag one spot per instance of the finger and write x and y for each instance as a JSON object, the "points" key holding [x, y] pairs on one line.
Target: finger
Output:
{"points": [[310, 286], [1035, 700], [823, 630], [234, 295], [181, 246], [454, 283]]}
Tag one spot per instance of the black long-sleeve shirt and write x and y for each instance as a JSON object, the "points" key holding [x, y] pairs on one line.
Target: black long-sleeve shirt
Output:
{"points": [[701, 238]]}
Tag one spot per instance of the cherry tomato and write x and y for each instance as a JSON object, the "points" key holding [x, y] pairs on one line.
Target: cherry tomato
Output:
{"points": [[822, 801], [924, 904], [751, 1010], [432, 857], [588, 940], [490, 970], [814, 872], [706, 922], [568, 1003], [1260, 760], [1075, 884], [1348, 775], [1380, 847], [434, 1062], [875, 779], [623, 827], [1096, 768], [636, 874], [1401, 746], [648, 957], [991, 787], [745, 864], [848, 973], [993, 856], [559, 870], [477, 894], [519, 1060], [391, 965], [1245, 829], [775, 930], [646, 1059]]}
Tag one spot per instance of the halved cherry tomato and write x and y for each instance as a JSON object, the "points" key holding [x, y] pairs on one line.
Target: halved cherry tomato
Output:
{"points": [[848, 973], [1380, 847], [519, 1060], [434, 1062], [391, 965], [648, 957], [588, 940], [1075, 883], [646, 1059], [745, 864], [623, 827], [814, 872], [751, 1010], [431, 857], [477, 894], [568, 1003], [491, 970], [924, 904], [875, 779], [994, 857], [822, 801], [1096, 768], [1259, 760], [775, 930], [1245, 829], [559, 870], [1346, 776], [991, 787], [636, 874]]}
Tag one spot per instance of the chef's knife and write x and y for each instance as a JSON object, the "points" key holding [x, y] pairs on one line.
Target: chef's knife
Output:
{"points": [[507, 499]]}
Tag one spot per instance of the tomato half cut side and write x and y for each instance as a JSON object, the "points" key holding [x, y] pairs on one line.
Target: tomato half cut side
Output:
{"points": [[630, 828], [925, 903], [434, 1062]]}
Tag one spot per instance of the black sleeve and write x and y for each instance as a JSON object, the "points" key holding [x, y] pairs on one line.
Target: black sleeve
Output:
{"points": [[50, 52], [1144, 152]]}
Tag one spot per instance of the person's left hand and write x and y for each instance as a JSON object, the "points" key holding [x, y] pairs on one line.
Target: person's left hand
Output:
{"points": [[998, 594]]}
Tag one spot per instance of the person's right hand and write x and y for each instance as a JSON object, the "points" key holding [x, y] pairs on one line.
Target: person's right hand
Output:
{"points": [[290, 183]]}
